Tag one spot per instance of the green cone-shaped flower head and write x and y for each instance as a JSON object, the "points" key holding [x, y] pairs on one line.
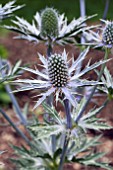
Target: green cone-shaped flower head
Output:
{"points": [[57, 70], [49, 23], [107, 37]]}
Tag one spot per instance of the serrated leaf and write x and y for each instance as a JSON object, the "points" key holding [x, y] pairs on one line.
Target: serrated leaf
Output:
{"points": [[54, 114], [91, 113], [47, 131], [92, 160]]}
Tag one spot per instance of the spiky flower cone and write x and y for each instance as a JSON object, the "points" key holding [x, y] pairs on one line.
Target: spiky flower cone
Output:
{"points": [[49, 23], [107, 36], [57, 70]]}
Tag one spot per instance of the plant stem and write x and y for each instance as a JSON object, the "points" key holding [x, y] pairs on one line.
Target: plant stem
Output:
{"points": [[32, 145], [68, 116], [106, 9], [53, 140], [50, 98], [12, 97], [49, 48], [94, 88], [15, 127], [82, 14], [14, 102], [66, 141]]}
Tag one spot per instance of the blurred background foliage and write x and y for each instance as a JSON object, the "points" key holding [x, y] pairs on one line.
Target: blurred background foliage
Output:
{"points": [[71, 8]]}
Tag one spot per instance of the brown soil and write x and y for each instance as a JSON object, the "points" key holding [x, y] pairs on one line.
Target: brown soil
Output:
{"points": [[27, 52]]}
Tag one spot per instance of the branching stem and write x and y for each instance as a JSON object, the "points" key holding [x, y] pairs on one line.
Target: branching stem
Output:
{"points": [[106, 9], [12, 97], [14, 102]]}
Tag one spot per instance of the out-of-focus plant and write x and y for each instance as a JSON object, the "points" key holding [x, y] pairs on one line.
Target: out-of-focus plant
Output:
{"points": [[6, 72], [3, 52], [4, 97], [107, 86], [7, 10], [102, 37]]}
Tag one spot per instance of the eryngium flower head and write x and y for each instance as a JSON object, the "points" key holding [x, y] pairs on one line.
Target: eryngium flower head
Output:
{"points": [[103, 37], [59, 77], [49, 23], [8, 9], [57, 71], [107, 36]]}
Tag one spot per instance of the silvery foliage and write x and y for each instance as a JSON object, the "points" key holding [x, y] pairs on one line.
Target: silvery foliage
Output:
{"points": [[57, 125], [44, 82], [8, 72], [45, 157], [66, 32], [8, 9], [107, 81]]}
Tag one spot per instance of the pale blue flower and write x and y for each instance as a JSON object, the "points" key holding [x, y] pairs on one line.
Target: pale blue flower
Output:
{"points": [[59, 76], [101, 38], [64, 33]]}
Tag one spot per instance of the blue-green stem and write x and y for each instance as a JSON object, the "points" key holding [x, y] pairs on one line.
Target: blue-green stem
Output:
{"points": [[49, 48], [12, 97], [94, 88], [32, 145], [82, 14], [66, 141], [106, 9], [68, 115], [15, 127], [50, 98], [14, 102]]}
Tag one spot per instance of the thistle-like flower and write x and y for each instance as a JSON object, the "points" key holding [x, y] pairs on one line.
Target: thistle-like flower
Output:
{"points": [[49, 25], [58, 77], [104, 37], [107, 35], [8, 9]]}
